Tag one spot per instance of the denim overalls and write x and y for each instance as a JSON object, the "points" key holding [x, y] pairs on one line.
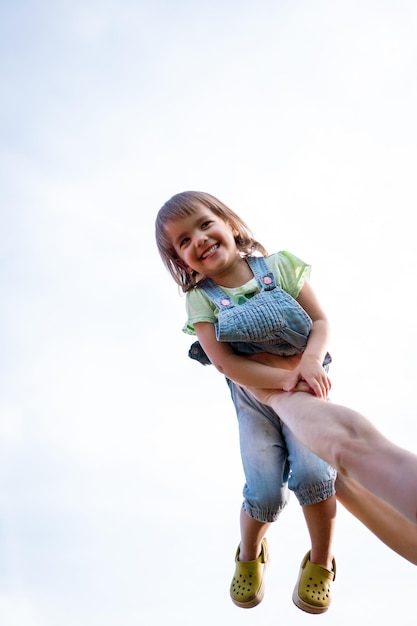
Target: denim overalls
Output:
{"points": [[270, 321], [273, 460]]}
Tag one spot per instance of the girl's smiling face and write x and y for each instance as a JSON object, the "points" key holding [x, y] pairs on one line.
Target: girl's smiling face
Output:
{"points": [[204, 242]]}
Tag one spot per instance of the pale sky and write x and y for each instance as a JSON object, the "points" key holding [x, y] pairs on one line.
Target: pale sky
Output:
{"points": [[120, 474]]}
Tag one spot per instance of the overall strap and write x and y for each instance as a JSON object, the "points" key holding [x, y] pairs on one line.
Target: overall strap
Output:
{"points": [[264, 278], [215, 293], [263, 274]]}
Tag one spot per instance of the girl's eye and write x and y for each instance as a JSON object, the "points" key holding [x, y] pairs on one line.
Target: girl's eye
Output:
{"points": [[184, 242], [206, 224]]}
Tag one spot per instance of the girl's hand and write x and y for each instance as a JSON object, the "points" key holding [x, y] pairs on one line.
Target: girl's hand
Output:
{"points": [[313, 374]]}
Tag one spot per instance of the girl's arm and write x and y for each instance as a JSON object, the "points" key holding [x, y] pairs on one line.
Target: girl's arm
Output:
{"points": [[319, 336], [241, 369], [310, 369]]}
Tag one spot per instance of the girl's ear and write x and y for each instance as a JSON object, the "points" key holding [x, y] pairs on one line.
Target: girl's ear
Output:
{"points": [[184, 266]]}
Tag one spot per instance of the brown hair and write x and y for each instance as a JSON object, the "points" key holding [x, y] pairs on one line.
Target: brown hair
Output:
{"points": [[183, 205]]}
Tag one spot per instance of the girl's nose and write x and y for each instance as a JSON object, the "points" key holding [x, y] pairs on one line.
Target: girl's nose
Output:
{"points": [[201, 240]]}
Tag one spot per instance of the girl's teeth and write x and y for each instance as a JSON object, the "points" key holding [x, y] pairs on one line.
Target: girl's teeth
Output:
{"points": [[209, 251]]}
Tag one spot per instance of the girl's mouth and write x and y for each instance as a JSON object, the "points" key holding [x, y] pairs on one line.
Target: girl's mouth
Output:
{"points": [[210, 251]]}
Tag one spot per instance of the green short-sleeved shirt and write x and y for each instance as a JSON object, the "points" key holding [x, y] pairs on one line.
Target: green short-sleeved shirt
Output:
{"points": [[289, 271]]}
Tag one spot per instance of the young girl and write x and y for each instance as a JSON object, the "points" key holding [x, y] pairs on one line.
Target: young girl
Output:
{"points": [[199, 237], [204, 245]]}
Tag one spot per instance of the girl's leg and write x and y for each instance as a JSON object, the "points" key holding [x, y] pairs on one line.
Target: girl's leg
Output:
{"points": [[313, 589], [321, 521], [252, 532], [264, 458], [385, 522], [313, 482], [349, 442]]}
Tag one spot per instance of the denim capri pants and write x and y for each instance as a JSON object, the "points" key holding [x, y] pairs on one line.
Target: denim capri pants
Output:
{"points": [[274, 461]]}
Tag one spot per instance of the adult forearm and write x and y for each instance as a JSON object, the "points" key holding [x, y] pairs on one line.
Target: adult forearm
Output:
{"points": [[380, 518], [348, 441]]}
